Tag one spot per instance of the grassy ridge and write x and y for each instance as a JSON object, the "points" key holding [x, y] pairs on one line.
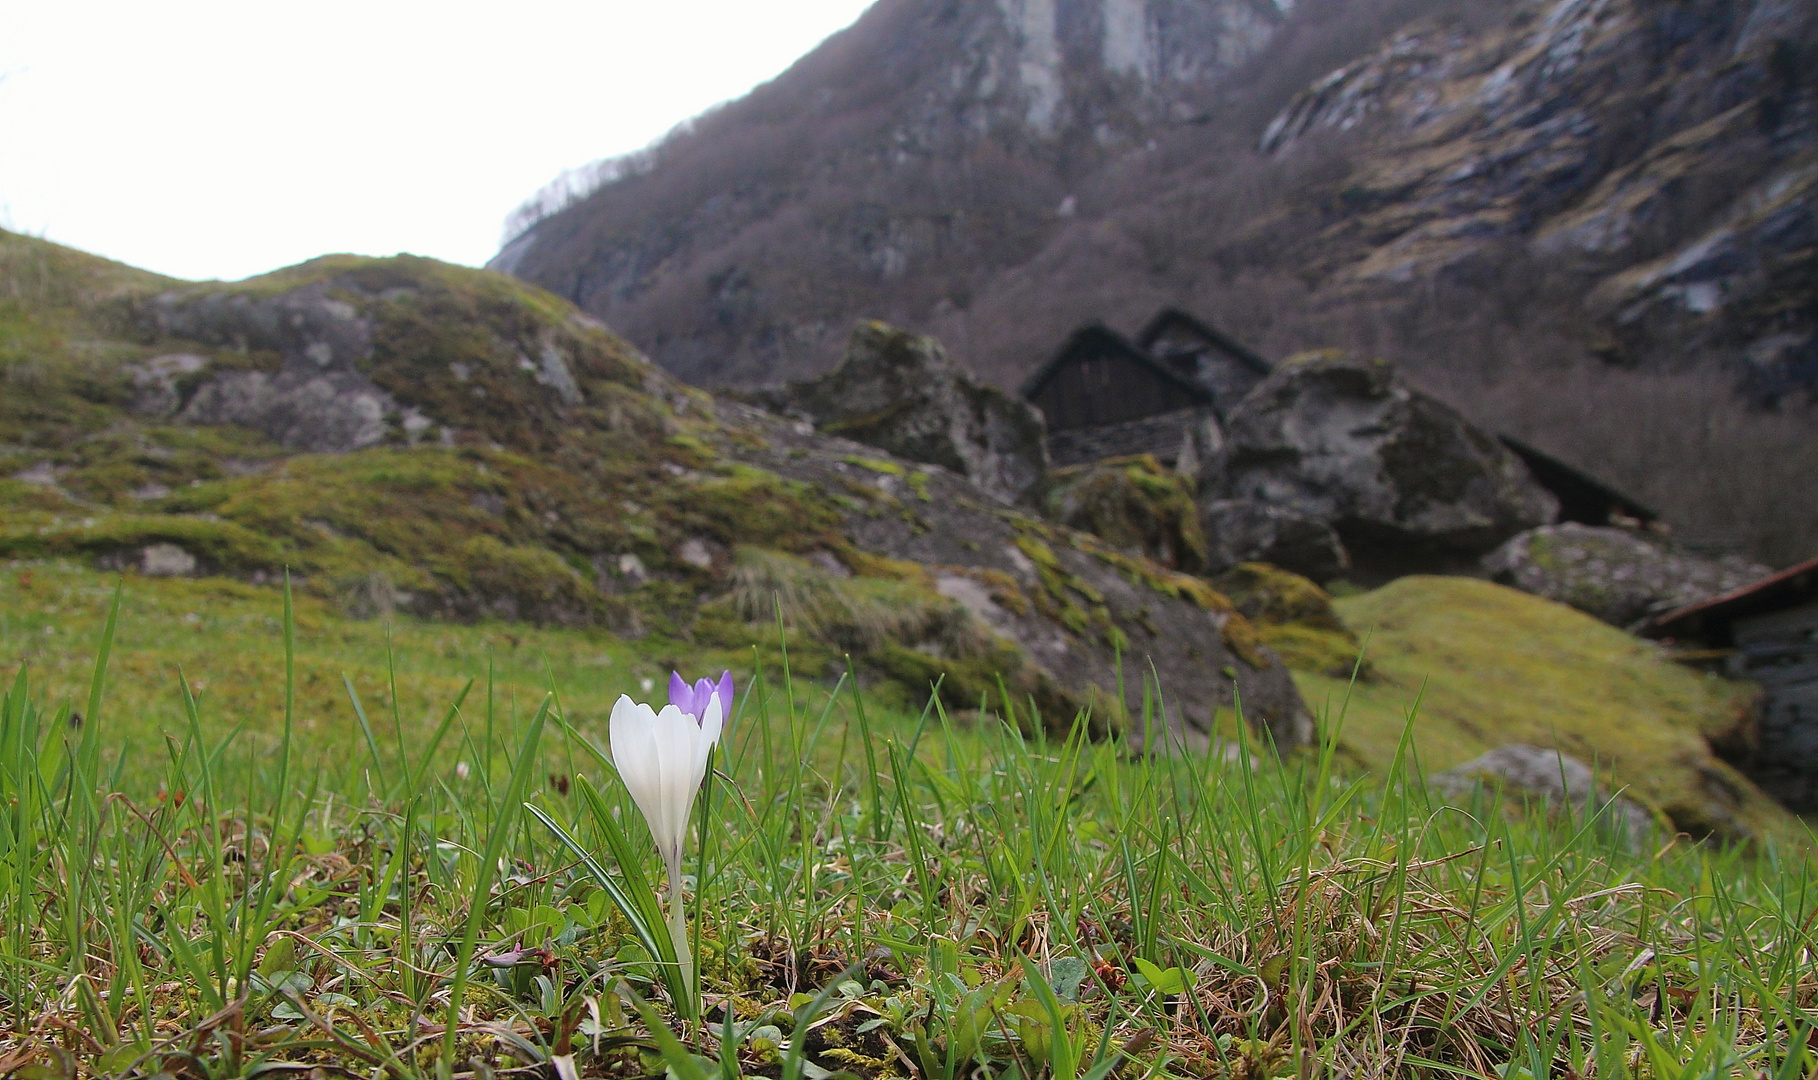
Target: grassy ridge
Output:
{"points": [[1195, 916]]}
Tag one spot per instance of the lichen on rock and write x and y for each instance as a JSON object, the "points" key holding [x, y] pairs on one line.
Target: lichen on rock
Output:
{"points": [[1621, 576], [1130, 502]]}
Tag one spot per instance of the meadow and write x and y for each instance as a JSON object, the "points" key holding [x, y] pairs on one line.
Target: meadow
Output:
{"points": [[244, 836]]}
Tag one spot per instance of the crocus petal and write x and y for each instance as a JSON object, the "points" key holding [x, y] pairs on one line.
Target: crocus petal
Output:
{"points": [[703, 689], [711, 723], [680, 779], [635, 741], [725, 692], [681, 695]]}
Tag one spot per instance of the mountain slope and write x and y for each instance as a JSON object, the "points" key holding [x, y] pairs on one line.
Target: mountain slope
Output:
{"points": [[1553, 212], [929, 143]]}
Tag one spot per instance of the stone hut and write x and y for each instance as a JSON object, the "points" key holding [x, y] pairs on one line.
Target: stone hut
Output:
{"points": [[1768, 631], [1582, 498], [1193, 349], [1105, 397]]}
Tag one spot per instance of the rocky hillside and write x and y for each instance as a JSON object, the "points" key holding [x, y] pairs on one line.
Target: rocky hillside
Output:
{"points": [[1667, 157], [1553, 212], [405, 435]]}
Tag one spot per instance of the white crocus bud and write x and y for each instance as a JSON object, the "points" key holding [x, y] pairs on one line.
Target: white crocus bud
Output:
{"points": [[662, 758]]}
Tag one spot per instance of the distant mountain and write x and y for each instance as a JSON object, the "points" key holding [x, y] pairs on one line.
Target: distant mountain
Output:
{"points": [[943, 159], [1585, 221], [889, 172]]}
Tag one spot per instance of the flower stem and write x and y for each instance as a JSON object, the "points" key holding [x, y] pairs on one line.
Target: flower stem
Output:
{"points": [[678, 932]]}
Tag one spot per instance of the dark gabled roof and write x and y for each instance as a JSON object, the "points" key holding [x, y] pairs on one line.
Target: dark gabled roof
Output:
{"points": [[1552, 474], [1101, 339], [1788, 587], [1170, 316]]}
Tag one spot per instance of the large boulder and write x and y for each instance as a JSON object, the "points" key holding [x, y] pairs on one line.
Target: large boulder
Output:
{"points": [[1523, 772], [1402, 476], [899, 392], [1248, 531], [1618, 575]]}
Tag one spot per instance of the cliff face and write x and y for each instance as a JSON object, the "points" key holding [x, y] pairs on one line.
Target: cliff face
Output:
{"points": [[994, 170], [1665, 154], [932, 142]]}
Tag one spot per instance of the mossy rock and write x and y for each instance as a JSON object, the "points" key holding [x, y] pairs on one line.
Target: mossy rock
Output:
{"points": [[1295, 618], [1133, 503], [1491, 666]]}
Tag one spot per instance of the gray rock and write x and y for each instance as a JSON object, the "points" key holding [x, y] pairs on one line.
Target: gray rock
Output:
{"points": [[1244, 530], [632, 569], [1618, 575], [1396, 472], [900, 393], [155, 382], [1550, 776], [166, 560], [314, 398], [695, 553]]}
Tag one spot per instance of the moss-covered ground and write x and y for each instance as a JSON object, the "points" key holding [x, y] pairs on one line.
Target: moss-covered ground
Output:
{"points": [[1488, 665]]}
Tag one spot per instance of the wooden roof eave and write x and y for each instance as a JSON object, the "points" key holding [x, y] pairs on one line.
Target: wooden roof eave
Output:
{"points": [[1034, 384], [1235, 349], [1738, 602]]}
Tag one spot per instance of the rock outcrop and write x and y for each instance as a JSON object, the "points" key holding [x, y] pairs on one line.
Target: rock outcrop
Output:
{"points": [[899, 392], [1617, 575], [1397, 473], [1247, 530], [299, 381], [340, 354]]}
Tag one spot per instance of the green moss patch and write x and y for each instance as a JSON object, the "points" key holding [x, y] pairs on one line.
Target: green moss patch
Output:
{"points": [[1294, 617], [1492, 666]]}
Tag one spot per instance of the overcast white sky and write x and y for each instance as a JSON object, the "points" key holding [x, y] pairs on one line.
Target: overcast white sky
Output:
{"points": [[210, 139]]}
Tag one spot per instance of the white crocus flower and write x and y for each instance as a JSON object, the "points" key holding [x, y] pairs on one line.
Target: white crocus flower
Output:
{"points": [[662, 758]]}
